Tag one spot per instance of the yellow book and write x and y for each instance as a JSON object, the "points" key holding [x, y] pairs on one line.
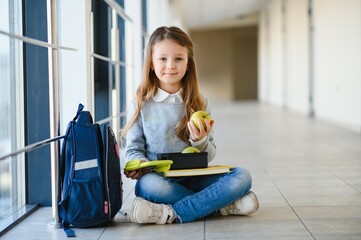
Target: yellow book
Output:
{"points": [[217, 169]]}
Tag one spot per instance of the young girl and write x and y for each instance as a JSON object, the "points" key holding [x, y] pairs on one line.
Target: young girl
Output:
{"points": [[165, 100]]}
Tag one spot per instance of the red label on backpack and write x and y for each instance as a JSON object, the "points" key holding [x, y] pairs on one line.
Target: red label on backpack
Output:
{"points": [[106, 207]]}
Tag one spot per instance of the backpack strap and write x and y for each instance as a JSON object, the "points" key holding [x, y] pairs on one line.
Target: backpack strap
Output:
{"points": [[66, 137], [61, 207], [62, 157], [80, 108], [68, 231]]}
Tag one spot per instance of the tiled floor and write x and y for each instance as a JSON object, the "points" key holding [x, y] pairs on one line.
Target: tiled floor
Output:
{"points": [[306, 173]]}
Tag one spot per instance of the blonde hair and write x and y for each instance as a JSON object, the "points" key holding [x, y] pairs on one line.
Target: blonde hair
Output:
{"points": [[192, 98]]}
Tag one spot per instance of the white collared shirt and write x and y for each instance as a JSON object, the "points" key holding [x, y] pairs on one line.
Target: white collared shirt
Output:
{"points": [[163, 96]]}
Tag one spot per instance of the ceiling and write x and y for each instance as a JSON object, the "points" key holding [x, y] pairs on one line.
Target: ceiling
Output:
{"points": [[204, 14]]}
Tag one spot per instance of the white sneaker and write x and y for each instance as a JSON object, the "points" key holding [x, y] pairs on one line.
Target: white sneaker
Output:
{"points": [[245, 205], [144, 211]]}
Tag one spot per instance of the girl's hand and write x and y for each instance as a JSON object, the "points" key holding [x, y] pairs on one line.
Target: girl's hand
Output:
{"points": [[203, 131], [136, 174]]}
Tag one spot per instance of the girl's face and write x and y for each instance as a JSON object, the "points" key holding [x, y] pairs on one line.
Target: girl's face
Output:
{"points": [[169, 62]]}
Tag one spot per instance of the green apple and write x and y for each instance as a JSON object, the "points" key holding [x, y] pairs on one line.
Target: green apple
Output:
{"points": [[190, 150], [200, 115]]}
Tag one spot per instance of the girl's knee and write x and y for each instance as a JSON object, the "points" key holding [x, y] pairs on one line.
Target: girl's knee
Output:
{"points": [[243, 177], [151, 186], [146, 184]]}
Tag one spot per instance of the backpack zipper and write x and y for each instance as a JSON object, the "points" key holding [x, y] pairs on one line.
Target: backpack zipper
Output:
{"points": [[106, 175]]}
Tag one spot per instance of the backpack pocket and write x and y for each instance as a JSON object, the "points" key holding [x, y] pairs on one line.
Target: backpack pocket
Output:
{"points": [[87, 205]]}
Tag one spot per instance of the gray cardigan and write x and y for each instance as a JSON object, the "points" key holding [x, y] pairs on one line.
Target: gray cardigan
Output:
{"points": [[153, 132]]}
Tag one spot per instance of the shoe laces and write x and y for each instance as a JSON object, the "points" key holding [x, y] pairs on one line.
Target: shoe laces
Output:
{"points": [[232, 209], [157, 212]]}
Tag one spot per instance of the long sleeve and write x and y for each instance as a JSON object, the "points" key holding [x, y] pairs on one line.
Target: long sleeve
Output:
{"points": [[154, 131], [135, 141]]}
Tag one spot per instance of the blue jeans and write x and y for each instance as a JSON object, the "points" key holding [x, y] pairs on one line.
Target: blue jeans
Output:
{"points": [[195, 197]]}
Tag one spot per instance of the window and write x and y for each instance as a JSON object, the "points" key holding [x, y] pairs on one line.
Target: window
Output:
{"points": [[109, 61], [24, 91], [12, 190]]}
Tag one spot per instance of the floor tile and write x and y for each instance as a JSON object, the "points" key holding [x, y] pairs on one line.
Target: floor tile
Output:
{"points": [[36, 226], [267, 223], [343, 222], [193, 230]]}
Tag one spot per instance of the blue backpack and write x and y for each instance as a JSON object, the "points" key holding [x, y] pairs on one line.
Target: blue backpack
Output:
{"points": [[90, 177]]}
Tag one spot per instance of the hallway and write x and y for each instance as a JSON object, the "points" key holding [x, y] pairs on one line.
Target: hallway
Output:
{"points": [[306, 173]]}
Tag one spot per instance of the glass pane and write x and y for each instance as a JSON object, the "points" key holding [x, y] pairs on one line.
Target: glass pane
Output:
{"points": [[123, 99], [103, 70], [102, 27], [102, 84], [11, 187], [5, 136]]}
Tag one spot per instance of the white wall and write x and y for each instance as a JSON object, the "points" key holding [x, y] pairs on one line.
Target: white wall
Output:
{"points": [[285, 58], [163, 13], [74, 78], [263, 56], [338, 61], [134, 53], [275, 51], [297, 53]]}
